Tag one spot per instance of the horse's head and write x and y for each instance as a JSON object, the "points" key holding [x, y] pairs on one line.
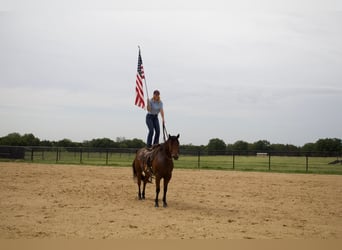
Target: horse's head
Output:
{"points": [[173, 145]]}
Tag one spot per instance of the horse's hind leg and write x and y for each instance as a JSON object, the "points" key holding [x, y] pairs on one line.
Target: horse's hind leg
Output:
{"points": [[139, 184], [156, 203]]}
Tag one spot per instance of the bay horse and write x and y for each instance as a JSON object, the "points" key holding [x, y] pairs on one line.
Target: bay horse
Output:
{"points": [[160, 158]]}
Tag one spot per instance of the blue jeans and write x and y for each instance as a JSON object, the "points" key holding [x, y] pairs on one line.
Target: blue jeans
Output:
{"points": [[152, 123]]}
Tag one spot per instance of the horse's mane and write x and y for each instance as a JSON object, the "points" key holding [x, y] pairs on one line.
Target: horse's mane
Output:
{"points": [[164, 147]]}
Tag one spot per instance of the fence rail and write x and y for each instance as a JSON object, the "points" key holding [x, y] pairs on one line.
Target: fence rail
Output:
{"points": [[300, 162]]}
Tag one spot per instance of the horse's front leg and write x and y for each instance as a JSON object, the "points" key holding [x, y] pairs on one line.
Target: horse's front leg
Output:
{"points": [[143, 192], [139, 184], [156, 203], [166, 182]]}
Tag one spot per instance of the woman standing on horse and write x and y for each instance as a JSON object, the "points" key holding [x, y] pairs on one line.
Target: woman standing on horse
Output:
{"points": [[154, 107]]}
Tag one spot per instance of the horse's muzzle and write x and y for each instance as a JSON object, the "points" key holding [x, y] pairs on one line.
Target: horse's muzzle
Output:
{"points": [[175, 156]]}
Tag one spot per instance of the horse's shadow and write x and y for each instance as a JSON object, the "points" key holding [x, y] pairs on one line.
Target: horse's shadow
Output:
{"points": [[196, 208]]}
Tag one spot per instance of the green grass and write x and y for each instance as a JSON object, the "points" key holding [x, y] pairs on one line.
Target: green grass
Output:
{"points": [[284, 164], [317, 165], [90, 158]]}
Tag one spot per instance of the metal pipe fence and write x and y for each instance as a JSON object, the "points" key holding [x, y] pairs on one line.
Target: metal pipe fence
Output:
{"points": [[299, 162], [296, 162]]}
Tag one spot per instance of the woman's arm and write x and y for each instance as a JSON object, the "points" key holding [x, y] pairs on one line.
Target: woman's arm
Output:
{"points": [[162, 115], [148, 105]]}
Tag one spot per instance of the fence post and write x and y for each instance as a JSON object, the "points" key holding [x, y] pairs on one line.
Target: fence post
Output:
{"points": [[31, 154], [269, 161], [307, 162], [57, 155], [107, 157], [81, 155], [233, 160], [199, 159]]}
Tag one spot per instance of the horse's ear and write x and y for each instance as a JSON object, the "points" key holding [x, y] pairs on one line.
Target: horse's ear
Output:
{"points": [[169, 136], [177, 136]]}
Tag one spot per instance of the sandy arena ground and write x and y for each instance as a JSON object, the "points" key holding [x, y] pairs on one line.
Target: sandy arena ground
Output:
{"points": [[72, 202]]}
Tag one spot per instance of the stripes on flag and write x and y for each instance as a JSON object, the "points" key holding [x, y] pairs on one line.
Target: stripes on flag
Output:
{"points": [[139, 90]]}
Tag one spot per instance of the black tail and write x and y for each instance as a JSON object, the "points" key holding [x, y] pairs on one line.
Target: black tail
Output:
{"points": [[134, 171]]}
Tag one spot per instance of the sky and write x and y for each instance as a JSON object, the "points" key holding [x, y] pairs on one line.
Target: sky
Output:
{"points": [[233, 70]]}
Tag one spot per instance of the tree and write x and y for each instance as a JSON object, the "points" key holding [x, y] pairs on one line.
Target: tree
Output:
{"points": [[284, 149], [135, 143], [309, 147], [65, 143], [46, 143], [102, 143], [330, 145], [191, 149], [12, 139], [216, 146], [30, 140], [240, 146], [15, 139], [261, 145]]}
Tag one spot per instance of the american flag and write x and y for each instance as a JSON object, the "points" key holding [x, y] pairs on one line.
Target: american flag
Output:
{"points": [[139, 99]]}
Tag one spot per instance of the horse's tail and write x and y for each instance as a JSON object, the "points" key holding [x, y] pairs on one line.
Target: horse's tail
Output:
{"points": [[134, 171]]}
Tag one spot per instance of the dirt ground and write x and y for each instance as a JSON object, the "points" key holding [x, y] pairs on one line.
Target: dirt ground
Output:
{"points": [[72, 202]]}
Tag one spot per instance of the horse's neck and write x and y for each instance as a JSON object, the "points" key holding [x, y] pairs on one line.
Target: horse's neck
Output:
{"points": [[165, 147]]}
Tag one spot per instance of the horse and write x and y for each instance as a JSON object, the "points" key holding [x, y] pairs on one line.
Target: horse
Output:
{"points": [[160, 158]]}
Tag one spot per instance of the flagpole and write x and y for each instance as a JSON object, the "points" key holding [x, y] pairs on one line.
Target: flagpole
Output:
{"points": [[144, 77]]}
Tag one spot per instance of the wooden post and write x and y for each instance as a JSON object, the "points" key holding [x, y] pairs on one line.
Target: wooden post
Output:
{"points": [[269, 161], [81, 155], [233, 161], [57, 156]]}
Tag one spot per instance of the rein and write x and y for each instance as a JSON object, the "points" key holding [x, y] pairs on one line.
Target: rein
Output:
{"points": [[166, 138], [165, 134]]}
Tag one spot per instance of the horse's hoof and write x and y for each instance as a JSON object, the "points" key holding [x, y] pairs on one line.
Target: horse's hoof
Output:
{"points": [[164, 204], [156, 205]]}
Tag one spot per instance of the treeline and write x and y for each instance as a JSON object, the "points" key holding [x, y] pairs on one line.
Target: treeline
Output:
{"points": [[214, 146], [15, 139], [218, 146]]}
